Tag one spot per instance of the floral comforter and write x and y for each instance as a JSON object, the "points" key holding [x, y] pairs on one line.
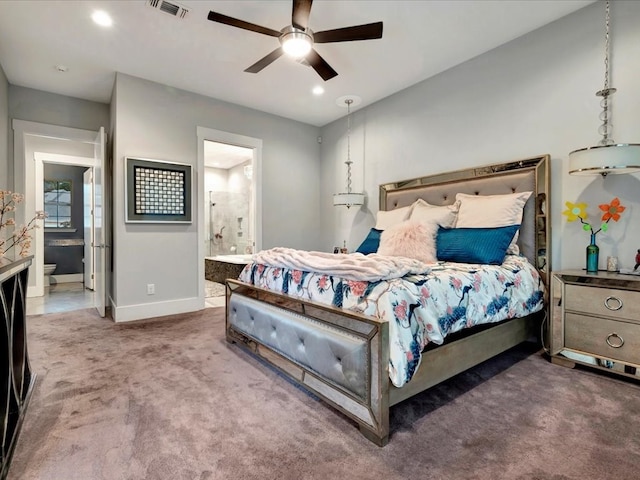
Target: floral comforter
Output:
{"points": [[419, 308]]}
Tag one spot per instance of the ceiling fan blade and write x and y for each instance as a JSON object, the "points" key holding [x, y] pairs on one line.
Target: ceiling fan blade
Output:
{"points": [[300, 13], [369, 31], [265, 61], [234, 22], [320, 65]]}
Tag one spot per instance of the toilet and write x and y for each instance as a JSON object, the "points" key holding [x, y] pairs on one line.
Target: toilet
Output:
{"points": [[48, 270]]}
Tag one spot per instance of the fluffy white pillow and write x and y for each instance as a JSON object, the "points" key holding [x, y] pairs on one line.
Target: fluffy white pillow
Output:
{"points": [[477, 211], [410, 239], [388, 218], [424, 212]]}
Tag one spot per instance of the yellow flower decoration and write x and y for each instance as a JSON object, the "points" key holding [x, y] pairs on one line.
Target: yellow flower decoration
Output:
{"points": [[575, 211]]}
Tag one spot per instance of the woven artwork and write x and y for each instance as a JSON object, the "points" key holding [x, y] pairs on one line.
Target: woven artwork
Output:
{"points": [[159, 191]]}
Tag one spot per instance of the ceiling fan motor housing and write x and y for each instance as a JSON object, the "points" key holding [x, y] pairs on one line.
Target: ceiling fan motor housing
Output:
{"points": [[296, 42]]}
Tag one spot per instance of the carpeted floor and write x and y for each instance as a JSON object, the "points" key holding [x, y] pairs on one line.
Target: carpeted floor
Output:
{"points": [[172, 400]]}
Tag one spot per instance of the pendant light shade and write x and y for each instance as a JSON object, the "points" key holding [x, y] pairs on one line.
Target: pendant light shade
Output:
{"points": [[348, 198], [605, 159], [608, 156]]}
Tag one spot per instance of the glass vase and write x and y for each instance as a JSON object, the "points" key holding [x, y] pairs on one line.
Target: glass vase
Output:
{"points": [[593, 252]]}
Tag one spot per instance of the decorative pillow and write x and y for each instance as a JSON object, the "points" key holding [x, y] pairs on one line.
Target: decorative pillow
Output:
{"points": [[389, 218], [474, 245], [410, 239], [445, 216], [492, 211], [371, 243]]}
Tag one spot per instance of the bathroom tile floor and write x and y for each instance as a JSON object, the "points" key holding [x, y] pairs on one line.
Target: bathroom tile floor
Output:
{"points": [[61, 297], [214, 294]]}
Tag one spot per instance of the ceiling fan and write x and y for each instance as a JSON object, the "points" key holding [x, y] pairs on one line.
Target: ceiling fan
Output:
{"points": [[297, 39]]}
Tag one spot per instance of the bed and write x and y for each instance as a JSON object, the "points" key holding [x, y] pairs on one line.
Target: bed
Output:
{"points": [[346, 351]]}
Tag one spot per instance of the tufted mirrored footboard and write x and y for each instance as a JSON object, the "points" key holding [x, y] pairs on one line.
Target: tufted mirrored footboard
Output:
{"points": [[340, 356]]}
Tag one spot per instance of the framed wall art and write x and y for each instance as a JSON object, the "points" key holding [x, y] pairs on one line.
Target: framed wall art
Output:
{"points": [[157, 191]]}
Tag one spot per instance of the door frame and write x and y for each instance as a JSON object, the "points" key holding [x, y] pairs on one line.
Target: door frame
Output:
{"points": [[25, 182], [255, 144]]}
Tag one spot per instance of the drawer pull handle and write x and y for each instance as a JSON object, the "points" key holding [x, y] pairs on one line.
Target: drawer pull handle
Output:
{"points": [[618, 343], [613, 307]]}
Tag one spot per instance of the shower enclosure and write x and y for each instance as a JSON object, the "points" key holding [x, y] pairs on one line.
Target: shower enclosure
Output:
{"points": [[229, 224]]}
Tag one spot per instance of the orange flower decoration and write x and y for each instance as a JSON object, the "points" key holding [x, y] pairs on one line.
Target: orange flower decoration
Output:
{"points": [[612, 210]]}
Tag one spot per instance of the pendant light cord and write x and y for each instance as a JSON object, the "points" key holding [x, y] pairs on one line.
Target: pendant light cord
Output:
{"points": [[605, 127], [348, 101]]}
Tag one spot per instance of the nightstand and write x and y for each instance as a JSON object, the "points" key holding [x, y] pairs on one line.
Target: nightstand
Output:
{"points": [[595, 321]]}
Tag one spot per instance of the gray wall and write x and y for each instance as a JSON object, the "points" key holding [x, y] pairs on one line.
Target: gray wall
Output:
{"points": [[158, 122], [68, 259], [53, 109], [5, 183], [44, 107], [532, 96]]}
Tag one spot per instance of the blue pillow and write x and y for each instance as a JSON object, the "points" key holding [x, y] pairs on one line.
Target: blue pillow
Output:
{"points": [[371, 243], [474, 245]]}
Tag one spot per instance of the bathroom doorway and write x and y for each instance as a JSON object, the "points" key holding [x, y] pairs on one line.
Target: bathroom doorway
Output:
{"points": [[67, 198], [229, 219], [37, 143], [228, 175]]}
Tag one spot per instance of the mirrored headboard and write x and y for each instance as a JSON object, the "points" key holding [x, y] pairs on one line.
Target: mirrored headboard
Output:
{"points": [[531, 174]]}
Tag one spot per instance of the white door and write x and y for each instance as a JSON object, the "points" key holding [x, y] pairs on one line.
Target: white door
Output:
{"points": [[99, 232], [87, 203]]}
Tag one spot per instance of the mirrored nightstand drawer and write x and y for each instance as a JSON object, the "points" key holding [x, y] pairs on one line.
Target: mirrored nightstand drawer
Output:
{"points": [[608, 302], [613, 339]]}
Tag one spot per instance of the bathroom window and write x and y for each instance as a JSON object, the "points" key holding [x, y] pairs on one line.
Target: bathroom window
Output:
{"points": [[57, 203]]}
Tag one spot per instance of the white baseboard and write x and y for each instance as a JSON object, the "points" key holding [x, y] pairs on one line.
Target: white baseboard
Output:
{"points": [[68, 278], [143, 311]]}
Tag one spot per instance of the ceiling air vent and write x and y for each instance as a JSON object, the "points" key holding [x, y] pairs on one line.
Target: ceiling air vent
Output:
{"points": [[169, 7]]}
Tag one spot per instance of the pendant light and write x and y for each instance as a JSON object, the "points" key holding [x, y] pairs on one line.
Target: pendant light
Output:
{"points": [[348, 198], [608, 156]]}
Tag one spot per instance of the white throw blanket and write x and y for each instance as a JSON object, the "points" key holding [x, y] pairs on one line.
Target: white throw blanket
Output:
{"points": [[350, 266]]}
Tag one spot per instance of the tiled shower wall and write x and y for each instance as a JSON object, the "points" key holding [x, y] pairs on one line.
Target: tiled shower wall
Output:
{"points": [[228, 224]]}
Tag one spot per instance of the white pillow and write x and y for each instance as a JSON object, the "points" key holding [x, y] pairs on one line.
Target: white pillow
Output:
{"points": [[478, 211], [410, 239], [388, 218], [424, 212]]}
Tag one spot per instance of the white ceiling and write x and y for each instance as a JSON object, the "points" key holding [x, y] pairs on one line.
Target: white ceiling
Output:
{"points": [[225, 156], [420, 39]]}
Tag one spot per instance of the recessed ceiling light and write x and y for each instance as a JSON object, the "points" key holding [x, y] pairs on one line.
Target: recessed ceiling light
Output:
{"points": [[62, 68], [318, 90], [102, 18]]}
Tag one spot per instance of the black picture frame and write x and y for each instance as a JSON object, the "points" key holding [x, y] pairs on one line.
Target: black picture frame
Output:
{"points": [[157, 191]]}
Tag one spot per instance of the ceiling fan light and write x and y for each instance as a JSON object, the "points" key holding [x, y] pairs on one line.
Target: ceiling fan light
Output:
{"points": [[296, 44]]}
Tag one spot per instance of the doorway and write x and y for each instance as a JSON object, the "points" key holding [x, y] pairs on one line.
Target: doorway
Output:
{"points": [[66, 186], [37, 143], [228, 174], [229, 213]]}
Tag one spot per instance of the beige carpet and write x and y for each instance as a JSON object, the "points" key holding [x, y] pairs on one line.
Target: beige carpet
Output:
{"points": [[172, 400]]}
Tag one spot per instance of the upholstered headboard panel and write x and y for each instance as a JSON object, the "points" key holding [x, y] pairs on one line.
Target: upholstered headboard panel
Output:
{"points": [[526, 175]]}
